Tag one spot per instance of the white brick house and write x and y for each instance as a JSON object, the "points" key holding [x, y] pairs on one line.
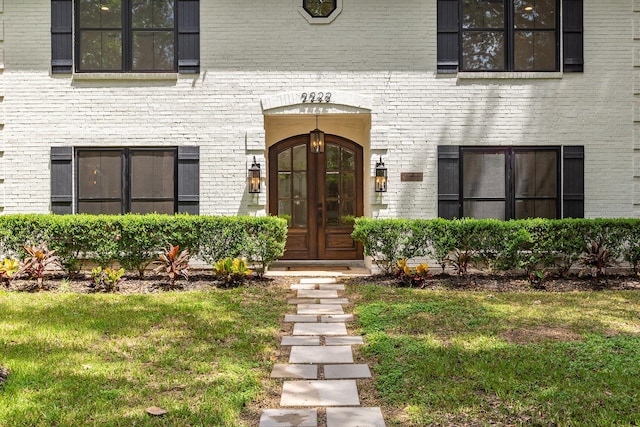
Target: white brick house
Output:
{"points": [[504, 108]]}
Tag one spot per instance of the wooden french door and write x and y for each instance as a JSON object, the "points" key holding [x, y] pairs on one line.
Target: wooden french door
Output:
{"points": [[319, 195]]}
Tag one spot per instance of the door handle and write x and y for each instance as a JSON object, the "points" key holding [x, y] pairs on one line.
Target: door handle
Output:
{"points": [[320, 213]]}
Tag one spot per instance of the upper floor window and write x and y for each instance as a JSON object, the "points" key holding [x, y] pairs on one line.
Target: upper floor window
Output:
{"points": [[125, 36], [510, 35]]}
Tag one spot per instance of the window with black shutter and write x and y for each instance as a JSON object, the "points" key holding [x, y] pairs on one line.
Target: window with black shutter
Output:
{"points": [[125, 36], [510, 182], [125, 180], [509, 35]]}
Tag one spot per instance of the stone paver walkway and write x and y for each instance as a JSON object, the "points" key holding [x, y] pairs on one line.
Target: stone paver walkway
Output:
{"points": [[320, 374]]}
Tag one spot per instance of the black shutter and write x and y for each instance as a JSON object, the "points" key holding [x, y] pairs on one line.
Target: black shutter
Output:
{"points": [[188, 36], [189, 180], [61, 180], [573, 182], [572, 33], [61, 36], [448, 181], [448, 36]]}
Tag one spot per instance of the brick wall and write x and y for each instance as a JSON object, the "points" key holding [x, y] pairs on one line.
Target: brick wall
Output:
{"points": [[384, 52]]}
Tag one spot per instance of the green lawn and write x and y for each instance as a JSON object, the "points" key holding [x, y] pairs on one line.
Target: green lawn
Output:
{"points": [[456, 358], [103, 359]]}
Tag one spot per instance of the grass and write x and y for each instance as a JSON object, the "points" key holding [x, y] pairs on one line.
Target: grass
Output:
{"points": [[77, 359], [455, 358]]}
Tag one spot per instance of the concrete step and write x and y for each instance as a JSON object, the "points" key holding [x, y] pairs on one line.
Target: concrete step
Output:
{"points": [[303, 372], [321, 354], [320, 393], [354, 417], [289, 417]]}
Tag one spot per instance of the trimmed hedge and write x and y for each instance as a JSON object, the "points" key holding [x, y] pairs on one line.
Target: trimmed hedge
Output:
{"points": [[528, 245], [134, 241]]}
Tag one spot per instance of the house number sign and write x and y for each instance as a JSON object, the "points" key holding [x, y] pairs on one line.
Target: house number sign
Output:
{"points": [[315, 97]]}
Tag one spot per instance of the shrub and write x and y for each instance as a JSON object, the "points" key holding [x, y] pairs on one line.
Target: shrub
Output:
{"points": [[231, 271], [388, 241], [411, 277], [173, 263], [9, 270], [596, 257], [107, 279], [519, 245], [37, 260]]}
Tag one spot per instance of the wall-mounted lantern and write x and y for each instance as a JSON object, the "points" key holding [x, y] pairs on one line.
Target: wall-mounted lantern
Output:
{"points": [[381, 177], [254, 177], [317, 139]]}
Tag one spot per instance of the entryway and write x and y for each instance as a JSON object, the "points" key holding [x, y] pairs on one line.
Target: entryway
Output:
{"points": [[320, 195]]}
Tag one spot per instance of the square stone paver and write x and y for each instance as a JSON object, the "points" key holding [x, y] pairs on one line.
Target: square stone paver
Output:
{"points": [[302, 318], [354, 417], [343, 340], [305, 372], [336, 318], [318, 280], [335, 287], [340, 301], [339, 372], [302, 340], [321, 354], [319, 329], [320, 309], [289, 417], [298, 286], [314, 293], [320, 393]]}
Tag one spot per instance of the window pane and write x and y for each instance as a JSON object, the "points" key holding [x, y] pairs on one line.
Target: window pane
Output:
{"points": [[482, 14], [145, 207], [284, 185], [534, 14], [284, 210], [535, 51], [484, 175], [100, 13], [536, 174], [300, 213], [300, 157], [332, 213], [153, 51], [348, 185], [536, 209], [348, 213], [483, 209], [300, 185], [152, 13], [333, 157], [348, 160], [99, 175], [100, 50], [333, 184], [483, 51], [153, 175], [97, 208], [284, 160]]}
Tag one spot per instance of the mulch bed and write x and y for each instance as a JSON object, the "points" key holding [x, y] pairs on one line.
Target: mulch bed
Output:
{"points": [[480, 282], [475, 282]]}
